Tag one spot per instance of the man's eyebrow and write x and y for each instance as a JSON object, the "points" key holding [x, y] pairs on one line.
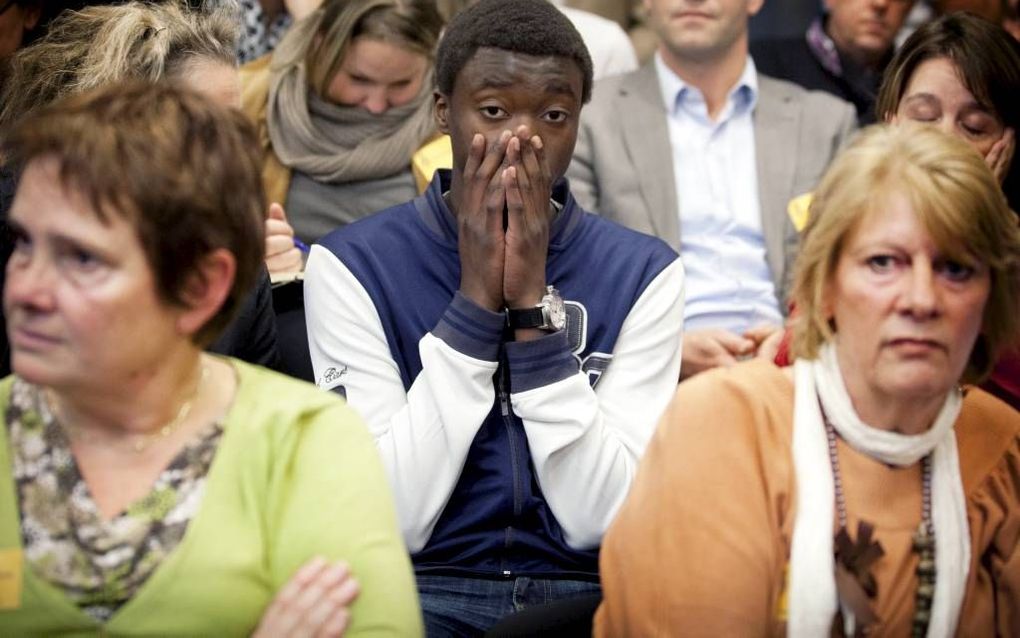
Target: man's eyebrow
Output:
{"points": [[559, 86]]}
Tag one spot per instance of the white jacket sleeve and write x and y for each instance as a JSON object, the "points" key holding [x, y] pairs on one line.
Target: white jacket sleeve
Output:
{"points": [[423, 434], [586, 443]]}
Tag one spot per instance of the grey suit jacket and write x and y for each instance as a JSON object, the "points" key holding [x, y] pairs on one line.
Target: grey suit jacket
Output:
{"points": [[623, 163]]}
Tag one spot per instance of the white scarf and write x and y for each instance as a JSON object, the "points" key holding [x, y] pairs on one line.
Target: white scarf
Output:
{"points": [[812, 586]]}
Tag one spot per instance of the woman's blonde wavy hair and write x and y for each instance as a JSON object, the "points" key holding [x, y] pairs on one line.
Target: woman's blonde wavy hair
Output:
{"points": [[957, 199], [106, 43]]}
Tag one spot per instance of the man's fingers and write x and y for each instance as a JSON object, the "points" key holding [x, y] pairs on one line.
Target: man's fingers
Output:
{"points": [[543, 164], [734, 344], [514, 198], [495, 157], [760, 333], [476, 152], [495, 200]]}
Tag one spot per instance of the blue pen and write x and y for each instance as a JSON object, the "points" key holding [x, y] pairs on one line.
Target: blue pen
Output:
{"points": [[302, 246]]}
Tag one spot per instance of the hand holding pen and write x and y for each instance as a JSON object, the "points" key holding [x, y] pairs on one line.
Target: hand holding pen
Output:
{"points": [[283, 249]]}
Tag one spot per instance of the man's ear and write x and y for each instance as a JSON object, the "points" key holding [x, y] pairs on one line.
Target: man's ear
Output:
{"points": [[205, 290], [754, 6], [442, 105]]}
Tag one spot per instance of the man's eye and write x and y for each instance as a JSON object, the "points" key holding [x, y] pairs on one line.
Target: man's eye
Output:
{"points": [[556, 116], [493, 112]]}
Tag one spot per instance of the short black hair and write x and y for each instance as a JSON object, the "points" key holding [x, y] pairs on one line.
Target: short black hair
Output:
{"points": [[528, 27]]}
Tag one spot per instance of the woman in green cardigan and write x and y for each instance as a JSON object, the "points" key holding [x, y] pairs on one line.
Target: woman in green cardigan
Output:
{"points": [[147, 487]]}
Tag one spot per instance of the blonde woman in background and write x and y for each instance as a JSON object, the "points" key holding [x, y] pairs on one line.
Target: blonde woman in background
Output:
{"points": [[341, 106]]}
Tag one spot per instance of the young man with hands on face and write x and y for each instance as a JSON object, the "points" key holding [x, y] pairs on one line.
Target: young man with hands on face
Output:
{"points": [[510, 352]]}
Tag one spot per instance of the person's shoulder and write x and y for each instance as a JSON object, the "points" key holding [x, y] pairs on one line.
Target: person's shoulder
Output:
{"points": [[254, 78], [277, 412], [819, 111], [987, 435], [273, 392], [610, 89], [756, 381], [605, 236], [381, 227], [773, 87], [751, 399]]}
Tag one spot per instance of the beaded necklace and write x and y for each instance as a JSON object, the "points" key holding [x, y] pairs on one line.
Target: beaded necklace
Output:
{"points": [[854, 581]]}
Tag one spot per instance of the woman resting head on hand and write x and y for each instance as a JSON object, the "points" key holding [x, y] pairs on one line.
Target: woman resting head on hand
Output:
{"points": [[961, 74], [769, 488], [156, 488]]}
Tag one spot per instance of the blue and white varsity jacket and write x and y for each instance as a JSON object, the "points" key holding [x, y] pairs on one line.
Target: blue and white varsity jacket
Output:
{"points": [[505, 458]]}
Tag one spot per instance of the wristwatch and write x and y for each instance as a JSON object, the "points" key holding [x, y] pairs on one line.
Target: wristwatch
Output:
{"points": [[549, 315]]}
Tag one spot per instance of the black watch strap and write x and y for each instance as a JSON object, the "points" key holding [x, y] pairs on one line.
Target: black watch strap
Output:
{"points": [[525, 318]]}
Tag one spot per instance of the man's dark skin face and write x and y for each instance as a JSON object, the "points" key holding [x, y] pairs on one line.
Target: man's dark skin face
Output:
{"points": [[512, 120]]}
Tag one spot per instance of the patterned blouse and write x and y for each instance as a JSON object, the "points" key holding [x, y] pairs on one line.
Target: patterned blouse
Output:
{"points": [[98, 564]]}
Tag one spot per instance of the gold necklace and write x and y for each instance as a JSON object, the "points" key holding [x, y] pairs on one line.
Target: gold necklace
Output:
{"points": [[143, 441]]}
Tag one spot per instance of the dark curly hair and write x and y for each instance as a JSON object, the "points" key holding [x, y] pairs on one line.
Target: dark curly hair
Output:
{"points": [[529, 27]]}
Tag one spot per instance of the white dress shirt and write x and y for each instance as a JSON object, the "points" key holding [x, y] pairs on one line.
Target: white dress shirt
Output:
{"points": [[729, 284]]}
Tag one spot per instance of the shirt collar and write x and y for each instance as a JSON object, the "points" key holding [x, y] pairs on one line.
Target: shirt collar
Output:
{"points": [[743, 96], [824, 48]]}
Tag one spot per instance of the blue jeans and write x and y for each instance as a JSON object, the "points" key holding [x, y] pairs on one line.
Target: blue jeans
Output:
{"points": [[463, 606]]}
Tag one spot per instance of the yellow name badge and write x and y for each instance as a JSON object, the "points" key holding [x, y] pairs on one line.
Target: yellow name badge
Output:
{"points": [[11, 565]]}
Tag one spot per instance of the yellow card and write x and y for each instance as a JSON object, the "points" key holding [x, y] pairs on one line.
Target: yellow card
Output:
{"points": [[799, 209], [11, 564]]}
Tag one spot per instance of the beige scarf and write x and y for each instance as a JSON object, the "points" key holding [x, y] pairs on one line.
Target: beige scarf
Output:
{"points": [[331, 143]]}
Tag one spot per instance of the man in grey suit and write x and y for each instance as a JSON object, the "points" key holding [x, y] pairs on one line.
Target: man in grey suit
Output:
{"points": [[700, 150]]}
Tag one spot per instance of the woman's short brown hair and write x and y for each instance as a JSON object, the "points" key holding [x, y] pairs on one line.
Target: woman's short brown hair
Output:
{"points": [[958, 201], [181, 169], [987, 59]]}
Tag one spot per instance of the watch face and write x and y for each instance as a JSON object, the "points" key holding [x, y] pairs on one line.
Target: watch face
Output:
{"points": [[557, 315], [556, 311]]}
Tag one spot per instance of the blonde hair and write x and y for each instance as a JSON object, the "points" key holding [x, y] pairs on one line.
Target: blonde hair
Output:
{"points": [[957, 199], [414, 25], [105, 43]]}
